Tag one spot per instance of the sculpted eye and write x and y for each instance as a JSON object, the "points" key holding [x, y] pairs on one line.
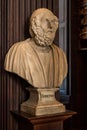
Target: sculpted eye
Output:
{"points": [[54, 21], [48, 23]]}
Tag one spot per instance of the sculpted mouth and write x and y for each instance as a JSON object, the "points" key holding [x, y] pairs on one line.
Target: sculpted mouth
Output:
{"points": [[51, 31]]}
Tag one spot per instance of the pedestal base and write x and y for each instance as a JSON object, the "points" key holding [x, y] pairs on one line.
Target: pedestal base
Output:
{"points": [[42, 102], [46, 122]]}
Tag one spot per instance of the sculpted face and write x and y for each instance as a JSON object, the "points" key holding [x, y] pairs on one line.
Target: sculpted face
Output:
{"points": [[49, 25], [43, 27]]}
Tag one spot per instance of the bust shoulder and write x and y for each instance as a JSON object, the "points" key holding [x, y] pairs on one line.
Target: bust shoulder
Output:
{"points": [[57, 48]]}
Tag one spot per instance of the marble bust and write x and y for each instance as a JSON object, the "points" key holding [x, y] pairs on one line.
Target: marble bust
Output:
{"points": [[37, 59]]}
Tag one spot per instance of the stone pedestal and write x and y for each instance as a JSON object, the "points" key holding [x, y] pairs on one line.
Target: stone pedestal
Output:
{"points": [[42, 102]]}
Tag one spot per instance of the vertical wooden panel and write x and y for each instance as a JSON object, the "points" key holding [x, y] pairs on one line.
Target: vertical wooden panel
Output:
{"points": [[16, 20], [22, 18], [44, 4], [0, 67], [56, 7], [27, 16], [3, 105], [0, 62], [38, 4], [10, 41], [14, 26], [49, 4], [10, 17], [32, 5]]}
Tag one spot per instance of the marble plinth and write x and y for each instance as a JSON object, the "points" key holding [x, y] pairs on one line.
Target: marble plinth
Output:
{"points": [[42, 102]]}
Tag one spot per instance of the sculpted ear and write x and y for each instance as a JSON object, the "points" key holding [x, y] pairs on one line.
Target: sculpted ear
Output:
{"points": [[33, 25]]}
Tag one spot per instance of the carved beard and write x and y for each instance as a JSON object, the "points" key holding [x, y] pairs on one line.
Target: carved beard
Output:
{"points": [[42, 38]]}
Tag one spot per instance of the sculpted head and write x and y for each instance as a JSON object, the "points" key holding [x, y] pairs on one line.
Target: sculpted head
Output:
{"points": [[43, 26]]}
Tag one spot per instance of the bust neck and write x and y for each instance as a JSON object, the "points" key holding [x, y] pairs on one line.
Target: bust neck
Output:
{"points": [[39, 48]]}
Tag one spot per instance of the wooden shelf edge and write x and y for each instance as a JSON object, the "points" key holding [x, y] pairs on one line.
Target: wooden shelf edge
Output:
{"points": [[45, 118]]}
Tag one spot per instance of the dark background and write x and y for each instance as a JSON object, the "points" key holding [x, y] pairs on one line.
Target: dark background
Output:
{"points": [[14, 15]]}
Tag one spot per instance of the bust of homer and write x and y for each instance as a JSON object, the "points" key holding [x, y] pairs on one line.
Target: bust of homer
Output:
{"points": [[37, 59]]}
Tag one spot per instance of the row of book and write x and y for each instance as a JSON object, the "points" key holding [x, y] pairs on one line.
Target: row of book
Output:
{"points": [[83, 19]]}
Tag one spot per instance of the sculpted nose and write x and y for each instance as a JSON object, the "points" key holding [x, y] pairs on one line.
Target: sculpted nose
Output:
{"points": [[50, 25]]}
